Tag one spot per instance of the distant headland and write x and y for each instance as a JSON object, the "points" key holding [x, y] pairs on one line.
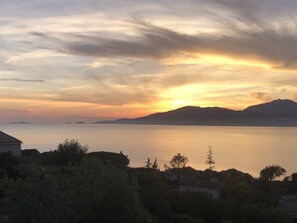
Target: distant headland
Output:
{"points": [[275, 113]]}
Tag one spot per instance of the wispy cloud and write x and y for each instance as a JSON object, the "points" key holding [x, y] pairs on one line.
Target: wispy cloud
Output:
{"points": [[95, 55], [262, 96], [268, 43], [22, 80]]}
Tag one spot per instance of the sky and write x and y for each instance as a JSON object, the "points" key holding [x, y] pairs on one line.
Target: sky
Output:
{"points": [[90, 60]]}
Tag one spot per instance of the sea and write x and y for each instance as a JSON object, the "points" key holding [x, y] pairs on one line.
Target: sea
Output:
{"points": [[248, 149]]}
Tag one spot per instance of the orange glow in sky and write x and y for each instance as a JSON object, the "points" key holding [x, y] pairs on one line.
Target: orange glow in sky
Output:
{"points": [[92, 60], [216, 59]]}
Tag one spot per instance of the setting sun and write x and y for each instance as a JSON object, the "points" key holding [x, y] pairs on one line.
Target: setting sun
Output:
{"points": [[177, 103], [146, 111]]}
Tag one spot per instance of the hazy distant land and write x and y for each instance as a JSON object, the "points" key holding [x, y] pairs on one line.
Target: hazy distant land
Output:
{"points": [[21, 122], [274, 113]]}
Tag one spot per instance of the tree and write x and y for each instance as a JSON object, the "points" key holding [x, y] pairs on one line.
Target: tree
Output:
{"points": [[233, 175], [89, 192], [178, 162], [8, 163], [70, 151], [155, 165], [38, 195], [294, 178], [148, 163], [269, 173], [209, 159], [292, 183]]}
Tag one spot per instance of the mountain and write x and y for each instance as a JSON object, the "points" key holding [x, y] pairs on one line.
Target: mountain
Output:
{"points": [[286, 106], [275, 113]]}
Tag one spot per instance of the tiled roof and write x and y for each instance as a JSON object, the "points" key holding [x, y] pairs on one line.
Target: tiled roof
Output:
{"points": [[4, 138]]}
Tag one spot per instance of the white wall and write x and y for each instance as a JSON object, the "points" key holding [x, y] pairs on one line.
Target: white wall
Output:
{"points": [[15, 149]]}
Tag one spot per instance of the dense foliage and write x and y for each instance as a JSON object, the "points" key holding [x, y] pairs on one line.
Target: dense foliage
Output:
{"points": [[269, 173], [69, 185]]}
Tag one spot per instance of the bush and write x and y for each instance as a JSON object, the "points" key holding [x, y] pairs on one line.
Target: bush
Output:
{"points": [[116, 159], [68, 152], [30, 152], [90, 192], [8, 163]]}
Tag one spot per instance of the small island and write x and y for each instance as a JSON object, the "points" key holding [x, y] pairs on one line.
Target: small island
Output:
{"points": [[80, 123]]}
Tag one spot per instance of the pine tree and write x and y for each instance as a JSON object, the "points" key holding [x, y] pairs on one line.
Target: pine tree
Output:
{"points": [[209, 159]]}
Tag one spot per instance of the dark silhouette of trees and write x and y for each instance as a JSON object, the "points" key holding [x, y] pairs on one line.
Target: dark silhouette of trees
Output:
{"points": [[99, 187], [7, 163], [30, 152], [183, 218], [155, 165], [177, 162], [154, 193], [116, 159], [237, 191], [291, 183], [71, 151], [294, 178], [150, 165], [68, 152], [209, 159], [85, 193], [231, 175], [269, 173], [260, 214], [195, 204]]}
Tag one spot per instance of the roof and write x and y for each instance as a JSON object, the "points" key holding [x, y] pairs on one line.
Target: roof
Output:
{"points": [[5, 138]]}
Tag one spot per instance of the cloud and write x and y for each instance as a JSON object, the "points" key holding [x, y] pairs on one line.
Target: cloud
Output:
{"points": [[36, 54], [14, 112], [98, 94], [22, 80], [109, 96], [92, 54], [266, 44], [262, 96], [295, 97]]}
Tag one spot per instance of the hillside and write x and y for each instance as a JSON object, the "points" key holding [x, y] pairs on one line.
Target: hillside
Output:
{"points": [[286, 107], [275, 113]]}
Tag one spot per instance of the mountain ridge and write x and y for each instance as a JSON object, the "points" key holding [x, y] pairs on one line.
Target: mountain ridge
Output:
{"points": [[275, 113], [277, 106]]}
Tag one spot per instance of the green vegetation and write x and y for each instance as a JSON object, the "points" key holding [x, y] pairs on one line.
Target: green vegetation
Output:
{"points": [[69, 185]]}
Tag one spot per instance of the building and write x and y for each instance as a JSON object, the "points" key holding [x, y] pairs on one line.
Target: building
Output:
{"points": [[209, 187], [10, 144], [191, 180]]}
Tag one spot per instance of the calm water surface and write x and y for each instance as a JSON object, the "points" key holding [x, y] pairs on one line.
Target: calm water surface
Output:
{"points": [[248, 149]]}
